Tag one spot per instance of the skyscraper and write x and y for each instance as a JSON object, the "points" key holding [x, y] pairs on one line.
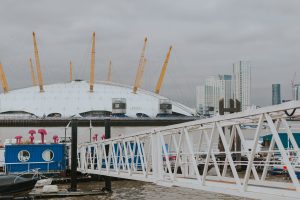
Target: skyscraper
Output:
{"points": [[242, 83], [297, 91], [209, 94], [276, 95]]}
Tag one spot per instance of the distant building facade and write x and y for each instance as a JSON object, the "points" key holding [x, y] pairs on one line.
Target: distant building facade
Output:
{"points": [[236, 86], [242, 83], [209, 94], [297, 91], [276, 94]]}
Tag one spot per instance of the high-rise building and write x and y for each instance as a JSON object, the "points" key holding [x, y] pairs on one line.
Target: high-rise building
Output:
{"points": [[200, 99], [297, 91], [242, 83], [226, 89], [209, 94], [276, 95]]}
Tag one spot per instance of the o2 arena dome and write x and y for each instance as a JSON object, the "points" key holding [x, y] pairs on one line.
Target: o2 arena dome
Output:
{"points": [[79, 98], [74, 98]]}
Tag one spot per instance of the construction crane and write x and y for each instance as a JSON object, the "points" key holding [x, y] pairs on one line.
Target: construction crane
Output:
{"points": [[109, 74], [3, 79], [71, 72], [293, 86], [163, 72], [141, 63], [32, 72], [37, 62], [92, 70]]}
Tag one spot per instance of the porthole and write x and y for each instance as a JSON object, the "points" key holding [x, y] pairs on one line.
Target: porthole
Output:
{"points": [[48, 155], [23, 155]]}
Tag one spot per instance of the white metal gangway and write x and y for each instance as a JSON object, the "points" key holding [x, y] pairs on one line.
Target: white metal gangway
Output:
{"points": [[187, 155]]}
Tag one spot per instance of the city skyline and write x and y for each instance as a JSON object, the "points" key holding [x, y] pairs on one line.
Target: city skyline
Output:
{"points": [[209, 94], [207, 36], [235, 85]]}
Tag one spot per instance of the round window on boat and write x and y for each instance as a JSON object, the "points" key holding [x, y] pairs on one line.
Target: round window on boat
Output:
{"points": [[23, 156], [48, 155]]}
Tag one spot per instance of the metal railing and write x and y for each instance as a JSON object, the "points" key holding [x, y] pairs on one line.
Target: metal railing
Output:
{"points": [[8, 167], [203, 155]]}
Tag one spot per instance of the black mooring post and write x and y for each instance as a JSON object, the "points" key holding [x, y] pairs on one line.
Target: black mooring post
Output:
{"points": [[74, 156], [107, 179]]}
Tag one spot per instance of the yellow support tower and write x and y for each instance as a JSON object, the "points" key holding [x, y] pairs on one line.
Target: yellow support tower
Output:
{"points": [[142, 73], [109, 74], [3, 79], [71, 72], [163, 72], [37, 61], [92, 72], [32, 72], [141, 63]]}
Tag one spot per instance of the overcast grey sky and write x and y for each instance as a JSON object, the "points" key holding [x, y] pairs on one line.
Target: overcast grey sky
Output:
{"points": [[207, 36]]}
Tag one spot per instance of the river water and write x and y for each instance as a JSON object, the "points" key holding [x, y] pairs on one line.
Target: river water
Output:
{"points": [[141, 190]]}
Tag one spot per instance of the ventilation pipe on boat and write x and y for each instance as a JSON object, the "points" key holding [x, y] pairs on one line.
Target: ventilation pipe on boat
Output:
{"points": [[55, 139], [18, 138], [31, 137], [43, 132], [95, 137]]}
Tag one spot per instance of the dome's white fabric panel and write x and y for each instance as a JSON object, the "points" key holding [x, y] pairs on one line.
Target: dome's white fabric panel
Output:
{"points": [[72, 98]]}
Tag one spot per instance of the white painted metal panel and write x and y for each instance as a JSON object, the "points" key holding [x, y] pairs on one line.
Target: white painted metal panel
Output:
{"points": [[72, 98], [179, 147]]}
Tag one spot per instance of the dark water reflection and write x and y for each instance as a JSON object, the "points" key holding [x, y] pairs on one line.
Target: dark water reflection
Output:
{"points": [[141, 190]]}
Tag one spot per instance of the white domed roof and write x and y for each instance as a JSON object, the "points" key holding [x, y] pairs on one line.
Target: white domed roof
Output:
{"points": [[73, 98]]}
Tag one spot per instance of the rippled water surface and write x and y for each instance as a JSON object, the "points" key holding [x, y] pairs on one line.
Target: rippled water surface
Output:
{"points": [[141, 190]]}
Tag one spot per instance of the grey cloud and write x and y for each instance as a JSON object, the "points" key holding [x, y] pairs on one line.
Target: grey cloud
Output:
{"points": [[208, 36]]}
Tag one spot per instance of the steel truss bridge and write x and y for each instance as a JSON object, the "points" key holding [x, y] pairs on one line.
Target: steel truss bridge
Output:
{"points": [[187, 155]]}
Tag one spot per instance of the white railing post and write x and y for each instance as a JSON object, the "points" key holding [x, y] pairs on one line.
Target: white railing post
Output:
{"points": [[208, 154], [192, 155], [157, 157], [178, 159], [227, 151], [292, 139], [166, 154], [213, 157], [243, 142], [253, 152], [270, 152], [283, 153]]}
